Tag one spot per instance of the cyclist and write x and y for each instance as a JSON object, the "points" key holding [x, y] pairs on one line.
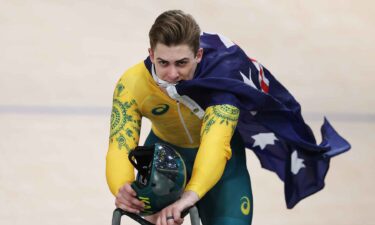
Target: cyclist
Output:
{"points": [[213, 150], [208, 100]]}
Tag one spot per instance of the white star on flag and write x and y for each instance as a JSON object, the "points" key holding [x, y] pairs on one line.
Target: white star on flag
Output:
{"points": [[297, 163], [263, 139], [247, 80]]}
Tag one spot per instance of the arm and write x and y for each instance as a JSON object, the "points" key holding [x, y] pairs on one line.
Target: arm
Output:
{"points": [[124, 137], [217, 130]]}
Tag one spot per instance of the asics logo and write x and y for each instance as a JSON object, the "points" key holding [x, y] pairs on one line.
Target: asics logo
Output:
{"points": [[160, 109], [245, 205]]}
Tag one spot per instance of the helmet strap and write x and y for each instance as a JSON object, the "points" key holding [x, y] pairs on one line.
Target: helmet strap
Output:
{"points": [[141, 158]]}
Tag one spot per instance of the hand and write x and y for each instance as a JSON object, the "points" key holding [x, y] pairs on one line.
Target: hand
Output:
{"points": [[171, 215], [126, 199]]}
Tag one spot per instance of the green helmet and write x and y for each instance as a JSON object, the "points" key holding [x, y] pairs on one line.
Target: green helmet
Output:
{"points": [[161, 176]]}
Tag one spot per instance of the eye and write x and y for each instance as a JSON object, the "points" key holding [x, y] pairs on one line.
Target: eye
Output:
{"points": [[162, 63], [181, 63]]}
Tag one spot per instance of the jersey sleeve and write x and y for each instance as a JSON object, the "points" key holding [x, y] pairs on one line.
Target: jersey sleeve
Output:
{"points": [[217, 130], [124, 137]]}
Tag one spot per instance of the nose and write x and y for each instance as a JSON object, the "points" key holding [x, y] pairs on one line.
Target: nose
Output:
{"points": [[172, 74]]}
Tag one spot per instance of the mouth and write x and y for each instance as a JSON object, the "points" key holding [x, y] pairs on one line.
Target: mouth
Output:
{"points": [[164, 84]]}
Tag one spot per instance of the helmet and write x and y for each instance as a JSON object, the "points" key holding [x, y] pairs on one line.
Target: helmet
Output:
{"points": [[161, 176]]}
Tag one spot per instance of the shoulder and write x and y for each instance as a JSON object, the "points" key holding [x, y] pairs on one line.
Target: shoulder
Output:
{"points": [[137, 74]]}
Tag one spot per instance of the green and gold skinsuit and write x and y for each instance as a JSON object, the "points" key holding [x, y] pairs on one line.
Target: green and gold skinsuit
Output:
{"points": [[212, 149]]}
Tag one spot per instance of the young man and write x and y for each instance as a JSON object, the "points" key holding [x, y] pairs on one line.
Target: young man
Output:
{"points": [[208, 100], [204, 144]]}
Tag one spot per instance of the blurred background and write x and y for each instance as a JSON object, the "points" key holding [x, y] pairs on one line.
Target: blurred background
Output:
{"points": [[60, 61]]}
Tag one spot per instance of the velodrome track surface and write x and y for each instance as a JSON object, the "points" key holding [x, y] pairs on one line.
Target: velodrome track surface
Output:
{"points": [[60, 61]]}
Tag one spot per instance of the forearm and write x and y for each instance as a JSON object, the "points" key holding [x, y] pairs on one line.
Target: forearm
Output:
{"points": [[124, 137], [118, 170], [214, 151], [208, 167]]}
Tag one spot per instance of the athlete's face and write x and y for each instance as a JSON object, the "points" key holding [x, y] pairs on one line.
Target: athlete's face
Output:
{"points": [[175, 63]]}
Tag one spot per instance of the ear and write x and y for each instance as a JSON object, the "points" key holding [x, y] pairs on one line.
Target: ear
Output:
{"points": [[151, 54], [199, 55]]}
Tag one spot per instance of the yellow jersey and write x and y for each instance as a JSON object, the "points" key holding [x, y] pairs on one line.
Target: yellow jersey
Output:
{"points": [[137, 95]]}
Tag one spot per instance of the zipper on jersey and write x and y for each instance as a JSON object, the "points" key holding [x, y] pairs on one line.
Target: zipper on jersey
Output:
{"points": [[183, 123]]}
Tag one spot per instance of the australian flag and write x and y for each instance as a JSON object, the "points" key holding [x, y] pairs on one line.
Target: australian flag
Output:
{"points": [[270, 120]]}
